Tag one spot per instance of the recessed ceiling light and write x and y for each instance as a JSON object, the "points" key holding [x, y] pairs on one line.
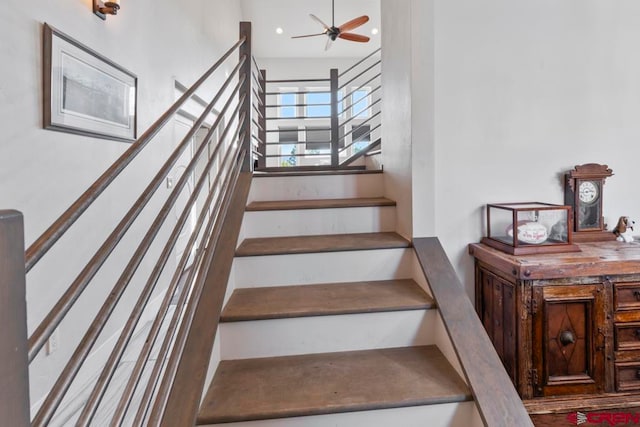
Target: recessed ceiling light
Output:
{"points": [[279, 30], [374, 31]]}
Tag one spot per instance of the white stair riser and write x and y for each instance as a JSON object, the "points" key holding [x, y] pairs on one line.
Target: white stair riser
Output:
{"points": [[329, 267], [323, 334], [463, 414], [317, 187], [305, 222]]}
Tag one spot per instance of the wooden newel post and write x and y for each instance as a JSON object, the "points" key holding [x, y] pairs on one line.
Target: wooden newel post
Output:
{"points": [[262, 161], [14, 368], [245, 89], [334, 118]]}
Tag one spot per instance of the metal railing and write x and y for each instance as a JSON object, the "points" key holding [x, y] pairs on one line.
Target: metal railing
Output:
{"points": [[323, 122], [200, 197]]}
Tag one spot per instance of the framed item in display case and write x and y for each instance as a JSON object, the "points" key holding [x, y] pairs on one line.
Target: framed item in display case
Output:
{"points": [[86, 93]]}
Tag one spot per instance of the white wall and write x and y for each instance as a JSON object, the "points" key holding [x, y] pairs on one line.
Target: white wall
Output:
{"points": [[523, 91], [397, 81], [42, 171]]}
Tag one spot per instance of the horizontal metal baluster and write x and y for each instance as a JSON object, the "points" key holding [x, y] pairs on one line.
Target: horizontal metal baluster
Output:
{"points": [[136, 374], [187, 316], [77, 287], [57, 393], [302, 92], [360, 125], [361, 137], [116, 354], [38, 248], [359, 75], [359, 62], [155, 374], [298, 80], [366, 95], [355, 116]]}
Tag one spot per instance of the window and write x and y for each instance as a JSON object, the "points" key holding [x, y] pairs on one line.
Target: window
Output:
{"points": [[318, 139], [288, 151], [285, 100], [318, 98], [360, 103], [360, 137], [323, 98]]}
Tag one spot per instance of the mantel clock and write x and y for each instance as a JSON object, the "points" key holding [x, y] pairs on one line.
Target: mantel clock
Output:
{"points": [[583, 189]]}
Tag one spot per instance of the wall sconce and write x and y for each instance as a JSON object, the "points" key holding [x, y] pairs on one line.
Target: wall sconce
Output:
{"points": [[102, 9]]}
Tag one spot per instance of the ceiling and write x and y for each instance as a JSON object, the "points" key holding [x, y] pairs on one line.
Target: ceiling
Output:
{"points": [[293, 17]]}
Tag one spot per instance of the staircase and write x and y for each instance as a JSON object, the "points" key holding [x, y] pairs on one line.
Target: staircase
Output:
{"points": [[328, 321]]}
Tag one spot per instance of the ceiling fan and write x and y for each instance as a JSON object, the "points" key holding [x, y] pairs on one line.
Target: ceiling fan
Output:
{"points": [[342, 31]]}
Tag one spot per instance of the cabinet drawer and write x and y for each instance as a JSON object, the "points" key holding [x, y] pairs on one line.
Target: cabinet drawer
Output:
{"points": [[627, 376], [627, 336], [627, 296]]}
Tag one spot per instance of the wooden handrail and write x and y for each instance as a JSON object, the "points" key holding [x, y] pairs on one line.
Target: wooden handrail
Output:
{"points": [[14, 373], [38, 248], [496, 398]]}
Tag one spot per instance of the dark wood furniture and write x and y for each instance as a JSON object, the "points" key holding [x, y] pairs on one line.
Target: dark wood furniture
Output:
{"points": [[566, 326]]}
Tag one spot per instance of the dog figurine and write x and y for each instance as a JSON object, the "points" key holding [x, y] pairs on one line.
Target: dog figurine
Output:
{"points": [[624, 229]]}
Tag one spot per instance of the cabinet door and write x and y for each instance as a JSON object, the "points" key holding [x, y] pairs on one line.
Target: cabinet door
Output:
{"points": [[569, 339], [498, 314]]}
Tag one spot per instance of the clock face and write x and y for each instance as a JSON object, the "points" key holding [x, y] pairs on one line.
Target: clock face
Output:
{"points": [[588, 192]]}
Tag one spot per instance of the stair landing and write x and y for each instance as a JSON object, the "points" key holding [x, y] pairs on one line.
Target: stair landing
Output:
{"points": [[316, 384]]}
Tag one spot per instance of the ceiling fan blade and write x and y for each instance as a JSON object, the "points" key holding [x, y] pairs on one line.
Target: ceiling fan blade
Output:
{"points": [[319, 21], [308, 35], [354, 37], [354, 23], [329, 43]]}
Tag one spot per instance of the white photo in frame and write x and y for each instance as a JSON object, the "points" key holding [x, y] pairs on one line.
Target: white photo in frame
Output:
{"points": [[84, 92]]}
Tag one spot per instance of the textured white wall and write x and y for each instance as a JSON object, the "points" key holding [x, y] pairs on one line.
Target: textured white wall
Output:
{"points": [[523, 91], [397, 81], [42, 171]]}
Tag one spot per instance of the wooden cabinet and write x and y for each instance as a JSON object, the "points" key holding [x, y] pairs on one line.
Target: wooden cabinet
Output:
{"points": [[564, 325]]}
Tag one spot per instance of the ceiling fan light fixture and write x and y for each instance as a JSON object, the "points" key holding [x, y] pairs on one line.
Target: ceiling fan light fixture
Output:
{"points": [[374, 31], [279, 30], [342, 31]]}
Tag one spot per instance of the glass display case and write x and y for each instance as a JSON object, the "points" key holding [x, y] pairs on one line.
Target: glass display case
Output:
{"points": [[530, 228]]}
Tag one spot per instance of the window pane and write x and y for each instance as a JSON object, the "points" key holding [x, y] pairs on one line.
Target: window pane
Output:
{"points": [[361, 137], [288, 151], [360, 102], [319, 110], [287, 99], [318, 139]]}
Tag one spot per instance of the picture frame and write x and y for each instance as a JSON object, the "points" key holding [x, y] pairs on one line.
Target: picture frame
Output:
{"points": [[86, 93]]}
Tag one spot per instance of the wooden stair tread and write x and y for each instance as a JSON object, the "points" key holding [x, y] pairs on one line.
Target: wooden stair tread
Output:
{"points": [[320, 243], [319, 204], [315, 384], [325, 299]]}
